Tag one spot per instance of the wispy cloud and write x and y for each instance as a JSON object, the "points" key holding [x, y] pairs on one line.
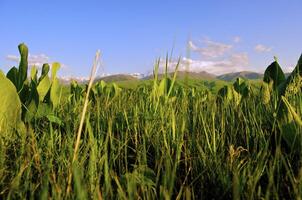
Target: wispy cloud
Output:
{"points": [[75, 78], [210, 49], [13, 58], [34, 60], [237, 39], [262, 48], [235, 62], [37, 60], [214, 57]]}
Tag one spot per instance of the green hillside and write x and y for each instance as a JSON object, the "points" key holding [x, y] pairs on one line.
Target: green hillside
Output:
{"points": [[117, 77], [243, 74], [189, 75]]}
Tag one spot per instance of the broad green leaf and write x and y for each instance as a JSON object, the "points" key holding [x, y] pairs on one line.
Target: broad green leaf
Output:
{"points": [[45, 70], [55, 92], [33, 74], [43, 87], [241, 87], [19, 76], [274, 73], [54, 69], [12, 75], [10, 106], [34, 95], [23, 66]]}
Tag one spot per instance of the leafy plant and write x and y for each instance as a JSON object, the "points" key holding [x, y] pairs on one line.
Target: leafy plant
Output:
{"points": [[274, 74], [10, 107], [283, 89], [242, 87], [35, 93]]}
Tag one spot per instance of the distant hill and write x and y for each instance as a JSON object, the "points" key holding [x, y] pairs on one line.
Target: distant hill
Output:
{"points": [[243, 74], [117, 77], [183, 74]]}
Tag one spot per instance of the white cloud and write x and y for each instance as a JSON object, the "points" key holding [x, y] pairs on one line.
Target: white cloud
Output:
{"points": [[75, 78], [235, 62], [237, 39], [13, 58], [261, 48], [240, 59], [214, 57], [35, 60], [211, 49]]}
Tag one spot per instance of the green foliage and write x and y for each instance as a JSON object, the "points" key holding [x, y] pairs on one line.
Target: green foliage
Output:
{"points": [[34, 74], [12, 75], [282, 91], [242, 87], [35, 91], [10, 107], [55, 93], [19, 76], [265, 93], [228, 94], [43, 87], [56, 88], [76, 92], [274, 73], [164, 139], [291, 125], [45, 70], [23, 66], [164, 86]]}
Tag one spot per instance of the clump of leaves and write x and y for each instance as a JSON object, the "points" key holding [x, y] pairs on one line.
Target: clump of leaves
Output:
{"points": [[35, 93], [289, 120], [10, 107]]}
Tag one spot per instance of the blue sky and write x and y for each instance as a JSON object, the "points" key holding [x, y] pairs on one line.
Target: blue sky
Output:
{"points": [[222, 36]]}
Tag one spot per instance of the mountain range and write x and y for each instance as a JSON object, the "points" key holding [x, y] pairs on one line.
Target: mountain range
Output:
{"points": [[180, 75]]}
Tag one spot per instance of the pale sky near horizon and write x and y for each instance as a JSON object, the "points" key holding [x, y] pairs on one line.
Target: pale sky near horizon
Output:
{"points": [[222, 36]]}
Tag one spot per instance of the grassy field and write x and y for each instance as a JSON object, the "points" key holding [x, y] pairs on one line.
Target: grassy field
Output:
{"points": [[156, 139]]}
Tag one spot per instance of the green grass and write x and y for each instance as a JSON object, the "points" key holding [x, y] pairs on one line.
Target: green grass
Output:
{"points": [[212, 85], [135, 145], [163, 138]]}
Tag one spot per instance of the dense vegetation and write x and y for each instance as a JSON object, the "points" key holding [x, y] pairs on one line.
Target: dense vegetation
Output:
{"points": [[163, 140]]}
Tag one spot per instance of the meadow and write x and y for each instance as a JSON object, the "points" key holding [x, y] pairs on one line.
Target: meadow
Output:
{"points": [[158, 139]]}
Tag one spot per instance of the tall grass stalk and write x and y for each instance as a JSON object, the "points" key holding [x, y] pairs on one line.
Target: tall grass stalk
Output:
{"points": [[94, 70]]}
